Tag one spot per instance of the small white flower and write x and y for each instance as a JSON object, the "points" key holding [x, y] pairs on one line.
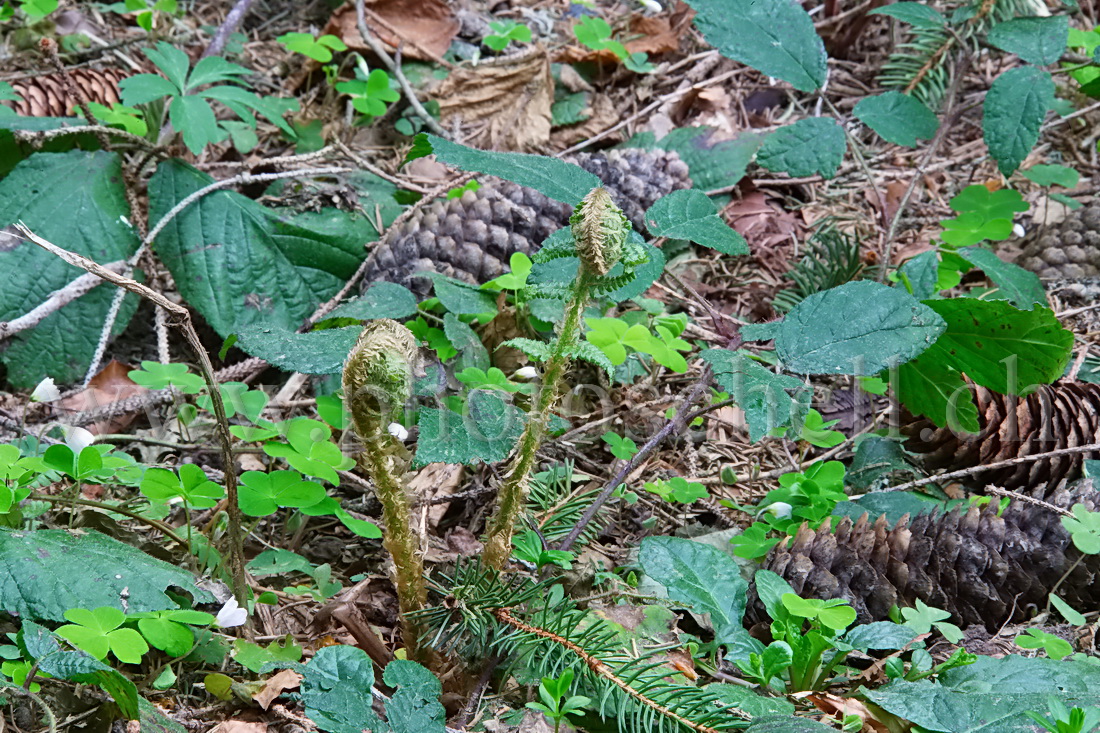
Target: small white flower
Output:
{"points": [[780, 509], [527, 372], [77, 438], [46, 391], [651, 5], [231, 615], [398, 431], [1018, 230]]}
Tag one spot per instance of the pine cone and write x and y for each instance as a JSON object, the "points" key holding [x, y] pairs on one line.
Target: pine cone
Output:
{"points": [[1068, 249], [472, 238], [47, 95], [982, 568], [1059, 415]]}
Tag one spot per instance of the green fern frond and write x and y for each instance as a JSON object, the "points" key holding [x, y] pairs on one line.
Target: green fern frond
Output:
{"points": [[919, 66], [831, 258]]}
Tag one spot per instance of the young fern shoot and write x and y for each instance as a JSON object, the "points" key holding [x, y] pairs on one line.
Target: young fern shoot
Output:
{"points": [[600, 241], [377, 383]]}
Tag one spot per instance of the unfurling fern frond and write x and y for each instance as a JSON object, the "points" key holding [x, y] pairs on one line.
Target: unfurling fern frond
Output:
{"points": [[832, 258], [919, 66]]}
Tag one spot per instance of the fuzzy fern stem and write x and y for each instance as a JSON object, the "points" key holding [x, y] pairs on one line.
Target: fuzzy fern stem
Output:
{"points": [[513, 492]]}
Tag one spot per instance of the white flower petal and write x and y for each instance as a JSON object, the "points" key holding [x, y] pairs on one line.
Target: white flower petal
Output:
{"points": [[77, 438], [1018, 230], [398, 431], [781, 509], [651, 5], [527, 372], [46, 391], [231, 615]]}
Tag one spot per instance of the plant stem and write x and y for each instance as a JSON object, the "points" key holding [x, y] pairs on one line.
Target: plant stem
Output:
{"points": [[399, 540], [513, 492]]}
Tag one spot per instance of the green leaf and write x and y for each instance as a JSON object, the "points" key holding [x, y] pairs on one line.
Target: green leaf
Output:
{"points": [[1069, 613], [336, 690], [261, 494], [704, 578], [993, 694], [194, 119], [915, 14], [487, 432], [1020, 287], [712, 163], [77, 201], [858, 328], [920, 275], [313, 352], [982, 334], [1015, 107], [690, 214], [551, 177], [897, 118], [461, 298], [771, 401], [811, 145], [1052, 175], [79, 570], [382, 300], [471, 352], [776, 37], [174, 639], [928, 386], [415, 706], [255, 657], [172, 62], [240, 264], [1039, 41]]}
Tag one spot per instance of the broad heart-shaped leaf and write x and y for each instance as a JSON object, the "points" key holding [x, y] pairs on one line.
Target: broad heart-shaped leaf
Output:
{"points": [[991, 695], [415, 706], [690, 214], [1008, 350], [313, 352], [703, 577], [240, 264], [487, 432], [1019, 286], [77, 201], [776, 37], [551, 177], [1015, 107], [1038, 41], [858, 328], [917, 14], [336, 690], [770, 401], [897, 118], [809, 146], [928, 386], [85, 570]]}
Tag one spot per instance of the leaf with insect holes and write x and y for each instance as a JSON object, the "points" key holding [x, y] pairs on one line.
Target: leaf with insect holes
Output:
{"points": [[897, 118], [1015, 107]]}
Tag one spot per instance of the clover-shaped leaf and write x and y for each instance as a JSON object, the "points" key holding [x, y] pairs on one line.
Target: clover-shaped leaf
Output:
{"points": [[191, 485], [97, 632], [155, 375], [261, 494]]}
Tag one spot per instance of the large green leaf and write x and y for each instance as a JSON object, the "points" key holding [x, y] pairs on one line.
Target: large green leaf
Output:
{"points": [[382, 300], [928, 386], [857, 328], [487, 431], [770, 400], [1015, 106], [712, 163], [809, 146], [239, 263], [1039, 41], [704, 578], [992, 695], [77, 201], [897, 118], [45, 572], [1001, 347], [776, 37], [313, 352], [690, 214], [551, 177], [336, 690], [414, 707], [1020, 287]]}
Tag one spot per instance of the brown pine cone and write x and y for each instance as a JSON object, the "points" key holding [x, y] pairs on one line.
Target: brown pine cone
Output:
{"points": [[982, 568], [471, 238], [1059, 415], [1068, 249], [47, 95]]}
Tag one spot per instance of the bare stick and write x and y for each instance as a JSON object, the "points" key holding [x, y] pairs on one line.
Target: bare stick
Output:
{"points": [[182, 319], [225, 30], [55, 301]]}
